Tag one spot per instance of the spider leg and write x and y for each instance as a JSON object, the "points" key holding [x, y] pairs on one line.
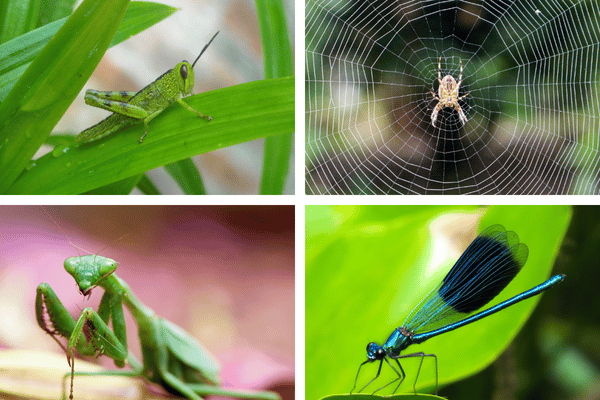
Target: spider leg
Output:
{"points": [[461, 115], [460, 75], [440, 70], [435, 96], [463, 96], [435, 112]]}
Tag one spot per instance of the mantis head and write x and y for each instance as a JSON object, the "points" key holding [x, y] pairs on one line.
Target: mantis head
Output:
{"points": [[88, 271]]}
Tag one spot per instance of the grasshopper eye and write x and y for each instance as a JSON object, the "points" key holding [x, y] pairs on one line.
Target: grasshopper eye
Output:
{"points": [[183, 71]]}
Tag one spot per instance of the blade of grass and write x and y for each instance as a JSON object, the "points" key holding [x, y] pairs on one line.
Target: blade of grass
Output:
{"points": [[16, 55], [146, 186], [50, 84], [124, 186], [240, 113], [140, 16], [19, 17], [187, 176], [277, 51], [53, 10], [278, 62]]}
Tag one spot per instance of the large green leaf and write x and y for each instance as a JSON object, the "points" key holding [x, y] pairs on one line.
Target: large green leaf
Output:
{"points": [[52, 10], [50, 84], [240, 113], [17, 17], [186, 175], [17, 54], [365, 273]]}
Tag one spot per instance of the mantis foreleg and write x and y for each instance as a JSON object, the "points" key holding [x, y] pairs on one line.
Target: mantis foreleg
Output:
{"points": [[99, 335], [90, 334]]}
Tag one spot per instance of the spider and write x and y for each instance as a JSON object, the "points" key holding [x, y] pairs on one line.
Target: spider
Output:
{"points": [[448, 94]]}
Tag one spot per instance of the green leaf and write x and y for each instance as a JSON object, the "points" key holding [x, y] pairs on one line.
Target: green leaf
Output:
{"points": [[124, 186], [53, 10], [240, 113], [140, 16], [187, 176], [50, 84], [276, 163], [146, 186], [277, 51], [17, 54], [366, 272], [278, 62], [17, 17]]}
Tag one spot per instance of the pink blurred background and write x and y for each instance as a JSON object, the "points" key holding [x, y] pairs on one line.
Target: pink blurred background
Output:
{"points": [[223, 273]]}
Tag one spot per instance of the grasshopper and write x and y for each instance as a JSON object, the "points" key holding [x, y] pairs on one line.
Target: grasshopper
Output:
{"points": [[171, 357], [131, 108]]}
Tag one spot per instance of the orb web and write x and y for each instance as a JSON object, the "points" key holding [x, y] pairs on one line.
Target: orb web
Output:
{"points": [[530, 69]]}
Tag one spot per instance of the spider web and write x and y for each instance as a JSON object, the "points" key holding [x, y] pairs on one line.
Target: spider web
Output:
{"points": [[531, 69]]}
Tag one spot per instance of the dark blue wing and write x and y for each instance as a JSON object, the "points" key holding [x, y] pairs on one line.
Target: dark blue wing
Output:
{"points": [[484, 269]]}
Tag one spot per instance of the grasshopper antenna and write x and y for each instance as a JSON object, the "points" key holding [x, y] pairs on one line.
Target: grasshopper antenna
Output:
{"points": [[207, 44]]}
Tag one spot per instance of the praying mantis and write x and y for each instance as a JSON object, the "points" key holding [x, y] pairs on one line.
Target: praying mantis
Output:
{"points": [[143, 106], [171, 357]]}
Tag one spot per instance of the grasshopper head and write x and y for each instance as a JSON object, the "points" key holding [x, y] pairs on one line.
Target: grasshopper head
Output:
{"points": [[89, 270], [184, 72], [185, 77]]}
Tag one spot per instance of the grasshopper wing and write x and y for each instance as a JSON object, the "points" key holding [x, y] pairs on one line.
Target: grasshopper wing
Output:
{"points": [[190, 351]]}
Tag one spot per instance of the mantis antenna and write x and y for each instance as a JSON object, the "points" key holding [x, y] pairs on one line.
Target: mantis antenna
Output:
{"points": [[113, 243], [77, 248]]}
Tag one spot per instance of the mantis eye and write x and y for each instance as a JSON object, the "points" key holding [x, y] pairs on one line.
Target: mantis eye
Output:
{"points": [[107, 267], [183, 71]]}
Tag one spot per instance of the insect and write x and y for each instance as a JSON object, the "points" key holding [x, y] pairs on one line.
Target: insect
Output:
{"points": [[448, 94], [171, 357], [485, 268], [131, 108]]}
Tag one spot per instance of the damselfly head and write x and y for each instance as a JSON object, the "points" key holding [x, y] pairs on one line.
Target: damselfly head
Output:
{"points": [[375, 352]]}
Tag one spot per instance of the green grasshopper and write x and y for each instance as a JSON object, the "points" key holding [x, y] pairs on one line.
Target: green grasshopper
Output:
{"points": [[171, 357], [132, 108]]}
